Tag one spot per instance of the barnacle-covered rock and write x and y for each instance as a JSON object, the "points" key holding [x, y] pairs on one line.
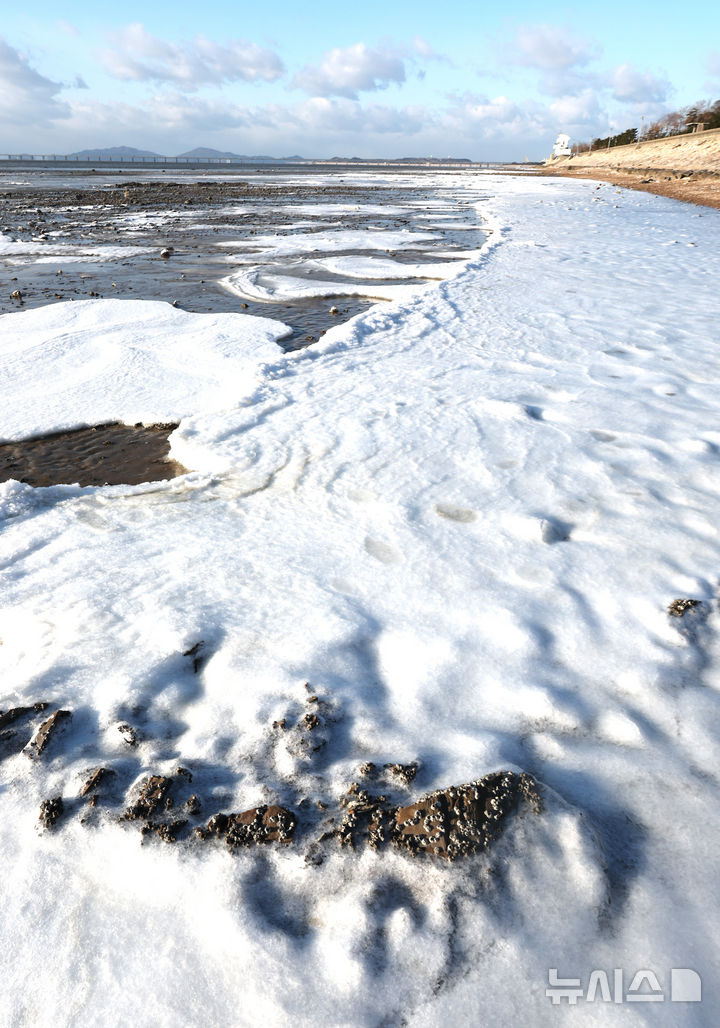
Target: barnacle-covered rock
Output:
{"points": [[257, 825], [463, 819], [50, 811], [152, 795]]}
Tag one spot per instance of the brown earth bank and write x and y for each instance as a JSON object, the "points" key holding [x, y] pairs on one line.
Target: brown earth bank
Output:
{"points": [[698, 189], [681, 167]]}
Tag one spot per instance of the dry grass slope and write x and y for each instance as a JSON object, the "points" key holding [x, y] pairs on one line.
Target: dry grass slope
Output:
{"points": [[682, 167]]}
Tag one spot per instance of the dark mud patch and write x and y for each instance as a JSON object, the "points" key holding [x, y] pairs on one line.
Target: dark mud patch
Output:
{"points": [[310, 319], [111, 454]]}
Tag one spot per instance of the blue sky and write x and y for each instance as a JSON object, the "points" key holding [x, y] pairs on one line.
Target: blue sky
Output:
{"points": [[323, 79]]}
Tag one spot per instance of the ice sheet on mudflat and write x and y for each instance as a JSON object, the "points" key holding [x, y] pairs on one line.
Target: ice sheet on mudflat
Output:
{"points": [[461, 520], [340, 239], [263, 283], [29, 251], [92, 361]]}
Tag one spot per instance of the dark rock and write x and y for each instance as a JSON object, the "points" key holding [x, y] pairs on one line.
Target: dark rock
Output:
{"points": [[405, 772], [166, 832], [463, 819], [95, 780], [259, 825], [128, 733], [195, 651], [41, 740], [50, 811], [152, 795], [365, 814], [15, 713], [680, 607]]}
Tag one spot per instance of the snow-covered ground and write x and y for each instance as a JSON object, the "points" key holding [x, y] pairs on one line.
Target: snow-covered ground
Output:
{"points": [[461, 518]]}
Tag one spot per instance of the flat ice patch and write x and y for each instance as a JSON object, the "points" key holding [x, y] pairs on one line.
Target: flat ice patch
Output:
{"points": [[39, 250], [261, 284], [124, 360], [342, 239], [379, 267], [325, 210]]}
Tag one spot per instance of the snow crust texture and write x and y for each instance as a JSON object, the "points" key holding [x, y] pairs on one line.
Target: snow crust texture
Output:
{"points": [[461, 520]]}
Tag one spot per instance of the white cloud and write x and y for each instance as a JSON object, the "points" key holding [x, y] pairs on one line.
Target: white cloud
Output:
{"points": [[346, 116], [26, 96], [478, 119], [423, 49], [570, 82], [713, 63], [349, 71], [560, 58], [632, 86], [171, 122], [579, 115], [552, 48], [139, 56]]}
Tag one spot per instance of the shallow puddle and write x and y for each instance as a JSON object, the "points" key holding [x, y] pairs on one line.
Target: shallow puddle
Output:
{"points": [[110, 454]]}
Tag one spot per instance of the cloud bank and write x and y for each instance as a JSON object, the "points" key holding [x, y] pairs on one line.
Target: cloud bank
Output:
{"points": [[138, 56]]}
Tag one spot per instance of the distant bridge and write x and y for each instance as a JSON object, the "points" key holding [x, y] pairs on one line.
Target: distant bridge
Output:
{"points": [[237, 162]]}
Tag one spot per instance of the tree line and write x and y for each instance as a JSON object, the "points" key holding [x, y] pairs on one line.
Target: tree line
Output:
{"points": [[674, 124]]}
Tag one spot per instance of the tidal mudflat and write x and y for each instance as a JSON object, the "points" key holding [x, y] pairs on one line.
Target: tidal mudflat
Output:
{"points": [[442, 583], [319, 241]]}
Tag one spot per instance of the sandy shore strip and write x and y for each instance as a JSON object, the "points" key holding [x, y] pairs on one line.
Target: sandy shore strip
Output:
{"points": [[700, 188]]}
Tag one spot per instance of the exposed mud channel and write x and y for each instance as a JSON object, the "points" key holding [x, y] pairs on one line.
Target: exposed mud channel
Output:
{"points": [[111, 454]]}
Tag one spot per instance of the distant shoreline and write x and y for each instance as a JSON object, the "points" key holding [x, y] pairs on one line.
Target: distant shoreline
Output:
{"points": [[55, 161]]}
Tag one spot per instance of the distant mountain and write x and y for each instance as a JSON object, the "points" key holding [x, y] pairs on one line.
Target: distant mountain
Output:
{"points": [[434, 160], [206, 151], [114, 151], [201, 152]]}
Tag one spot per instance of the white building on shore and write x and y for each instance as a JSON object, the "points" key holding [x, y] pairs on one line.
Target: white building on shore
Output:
{"points": [[562, 146]]}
